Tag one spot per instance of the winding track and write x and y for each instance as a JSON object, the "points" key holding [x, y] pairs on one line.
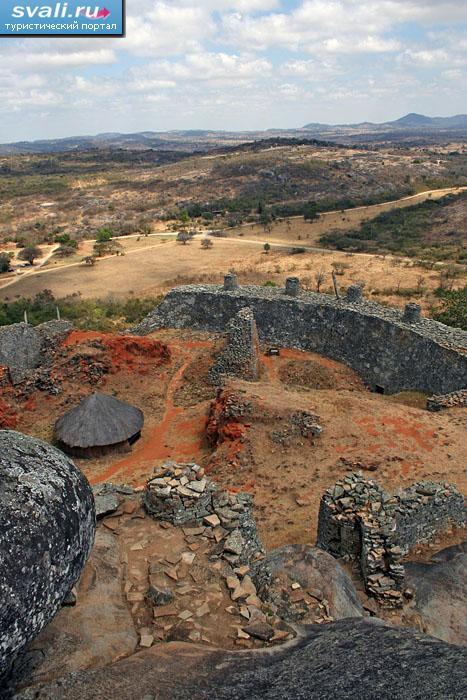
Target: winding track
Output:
{"points": [[420, 197]]}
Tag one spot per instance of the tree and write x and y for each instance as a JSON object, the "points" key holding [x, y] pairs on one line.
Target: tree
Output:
{"points": [[145, 228], [267, 248], [310, 211], [108, 248], [265, 220], [65, 240], [183, 237], [184, 217], [206, 244], [90, 260], [30, 253], [5, 261], [320, 278], [103, 235], [420, 283]]}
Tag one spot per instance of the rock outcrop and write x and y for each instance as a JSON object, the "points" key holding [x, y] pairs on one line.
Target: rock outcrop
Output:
{"points": [[23, 347], [47, 525], [440, 593], [301, 580], [347, 660]]}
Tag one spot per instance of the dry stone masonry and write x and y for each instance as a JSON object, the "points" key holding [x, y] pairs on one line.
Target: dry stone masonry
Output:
{"points": [[455, 398], [392, 351], [183, 495], [240, 357], [359, 521]]}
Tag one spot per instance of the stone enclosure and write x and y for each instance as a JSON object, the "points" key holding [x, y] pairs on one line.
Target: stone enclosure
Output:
{"points": [[392, 351], [358, 520]]}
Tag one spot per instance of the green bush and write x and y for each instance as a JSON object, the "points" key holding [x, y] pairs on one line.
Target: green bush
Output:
{"points": [[399, 231], [87, 314], [453, 309]]}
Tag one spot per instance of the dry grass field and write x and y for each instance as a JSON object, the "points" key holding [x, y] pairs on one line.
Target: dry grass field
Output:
{"points": [[154, 265]]}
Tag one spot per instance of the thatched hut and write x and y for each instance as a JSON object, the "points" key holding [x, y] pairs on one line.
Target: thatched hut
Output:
{"points": [[98, 425]]}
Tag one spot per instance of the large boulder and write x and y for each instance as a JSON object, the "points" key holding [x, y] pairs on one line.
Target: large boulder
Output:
{"points": [[47, 526], [23, 347], [20, 349], [311, 572], [96, 631], [440, 593], [349, 659]]}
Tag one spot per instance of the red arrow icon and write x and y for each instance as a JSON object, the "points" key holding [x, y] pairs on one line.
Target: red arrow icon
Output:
{"points": [[103, 14]]}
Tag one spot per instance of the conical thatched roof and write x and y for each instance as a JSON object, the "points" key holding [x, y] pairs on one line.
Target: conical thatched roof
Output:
{"points": [[97, 421]]}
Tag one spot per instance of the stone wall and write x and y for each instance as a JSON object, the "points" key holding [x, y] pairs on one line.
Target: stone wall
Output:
{"points": [[359, 521], [240, 357], [455, 398], [425, 509], [183, 495], [392, 351]]}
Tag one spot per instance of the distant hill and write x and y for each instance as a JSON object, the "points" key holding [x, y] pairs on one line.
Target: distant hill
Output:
{"points": [[409, 129], [409, 121]]}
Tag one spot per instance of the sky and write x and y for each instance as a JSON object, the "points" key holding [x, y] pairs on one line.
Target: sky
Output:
{"points": [[239, 65]]}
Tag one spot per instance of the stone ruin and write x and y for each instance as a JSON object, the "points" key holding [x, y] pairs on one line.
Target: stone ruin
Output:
{"points": [[392, 351], [183, 495], [443, 401], [240, 357], [359, 521]]}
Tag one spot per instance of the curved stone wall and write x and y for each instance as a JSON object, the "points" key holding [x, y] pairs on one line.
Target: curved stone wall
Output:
{"points": [[392, 351]]}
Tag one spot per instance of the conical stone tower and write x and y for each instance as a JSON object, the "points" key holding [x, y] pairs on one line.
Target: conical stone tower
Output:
{"points": [[240, 357]]}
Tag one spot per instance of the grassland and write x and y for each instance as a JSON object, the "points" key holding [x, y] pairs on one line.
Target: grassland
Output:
{"points": [[433, 229], [251, 197], [78, 193]]}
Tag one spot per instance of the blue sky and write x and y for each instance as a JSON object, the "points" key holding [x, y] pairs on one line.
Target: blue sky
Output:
{"points": [[239, 64]]}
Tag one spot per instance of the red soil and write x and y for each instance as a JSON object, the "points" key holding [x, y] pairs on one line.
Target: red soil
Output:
{"points": [[8, 417], [125, 352], [176, 436]]}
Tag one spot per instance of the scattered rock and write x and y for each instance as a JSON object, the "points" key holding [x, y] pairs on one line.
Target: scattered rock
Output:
{"points": [[260, 630], [317, 574]]}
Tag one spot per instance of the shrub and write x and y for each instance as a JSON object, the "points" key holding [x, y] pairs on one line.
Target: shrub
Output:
{"points": [[453, 310], [87, 314]]}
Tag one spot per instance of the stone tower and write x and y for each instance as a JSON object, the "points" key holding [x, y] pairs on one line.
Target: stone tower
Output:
{"points": [[240, 357]]}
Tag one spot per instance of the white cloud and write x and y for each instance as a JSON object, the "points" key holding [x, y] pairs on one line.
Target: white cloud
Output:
{"points": [[228, 63], [433, 58], [212, 67], [23, 61]]}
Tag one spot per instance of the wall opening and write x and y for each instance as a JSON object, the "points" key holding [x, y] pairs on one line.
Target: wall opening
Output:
{"points": [[379, 389]]}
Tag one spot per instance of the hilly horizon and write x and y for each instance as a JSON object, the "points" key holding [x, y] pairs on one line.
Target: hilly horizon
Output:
{"points": [[193, 139], [410, 120]]}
